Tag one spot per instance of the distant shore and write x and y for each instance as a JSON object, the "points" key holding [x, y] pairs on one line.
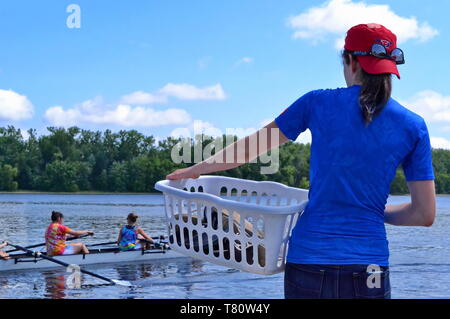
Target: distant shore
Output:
{"points": [[77, 193], [125, 193]]}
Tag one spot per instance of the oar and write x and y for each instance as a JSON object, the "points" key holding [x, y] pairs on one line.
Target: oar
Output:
{"points": [[103, 244], [59, 262], [43, 244], [160, 238], [157, 244]]}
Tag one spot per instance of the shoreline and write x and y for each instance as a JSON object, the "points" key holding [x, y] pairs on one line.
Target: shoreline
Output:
{"points": [[26, 192]]}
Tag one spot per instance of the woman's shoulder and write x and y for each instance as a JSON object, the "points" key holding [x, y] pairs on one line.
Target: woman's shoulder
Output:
{"points": [[397, 108], [55, 226], [126, 227], [329, 93], [325, 97]]}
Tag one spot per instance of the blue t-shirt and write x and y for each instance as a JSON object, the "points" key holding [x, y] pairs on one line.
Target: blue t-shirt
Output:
{"points": [[351, 168]]}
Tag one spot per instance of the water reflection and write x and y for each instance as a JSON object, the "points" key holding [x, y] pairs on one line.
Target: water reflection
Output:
{"points": [[55, 285], [130, 272], [420, 265]]}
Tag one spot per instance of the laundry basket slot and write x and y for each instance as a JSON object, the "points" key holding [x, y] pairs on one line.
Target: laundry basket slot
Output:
{"points": [[232, 222]]}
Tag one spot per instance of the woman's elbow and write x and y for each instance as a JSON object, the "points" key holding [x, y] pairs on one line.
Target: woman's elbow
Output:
{"points": [[428, 222], [428, 218]]}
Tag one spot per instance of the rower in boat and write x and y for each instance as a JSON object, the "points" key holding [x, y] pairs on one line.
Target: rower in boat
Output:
{"points": [[55, 238], [131, 236], [3, 255]]}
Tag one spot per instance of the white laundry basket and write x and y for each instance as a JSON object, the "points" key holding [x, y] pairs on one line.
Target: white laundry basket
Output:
{"points": [[213, 218]]}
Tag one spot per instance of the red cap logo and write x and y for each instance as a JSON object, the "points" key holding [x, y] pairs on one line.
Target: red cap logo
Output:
{"points": [[362, 37]]}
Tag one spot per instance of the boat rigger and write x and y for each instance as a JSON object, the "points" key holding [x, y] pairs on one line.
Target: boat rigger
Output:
{"points": [[24, 261]]}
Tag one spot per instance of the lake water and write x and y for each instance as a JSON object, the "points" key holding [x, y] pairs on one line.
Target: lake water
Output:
{"points": [[420, 257]]}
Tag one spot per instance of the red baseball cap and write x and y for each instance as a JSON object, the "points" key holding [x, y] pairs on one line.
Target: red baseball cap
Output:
{"points": [[362, 37]]}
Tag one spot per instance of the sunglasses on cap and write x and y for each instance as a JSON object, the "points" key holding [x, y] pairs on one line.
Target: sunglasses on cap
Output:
{"points": [[379, 51]]}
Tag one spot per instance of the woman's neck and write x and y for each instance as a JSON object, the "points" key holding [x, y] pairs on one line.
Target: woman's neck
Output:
{"points": [[354, 82]]}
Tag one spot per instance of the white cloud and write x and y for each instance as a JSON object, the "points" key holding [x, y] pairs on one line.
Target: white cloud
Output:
{"points": [[56, 115], [142, 98], [440, 142], [14, 106], [191, 92], [244, 60], [91, 112], [130, 110], [24, 133], [333, 18], [432, 106], [265, 122], [180, 91], [305, 137], [206, 128], [181, 132], [197, 127], [241, 132], [200, 127]]}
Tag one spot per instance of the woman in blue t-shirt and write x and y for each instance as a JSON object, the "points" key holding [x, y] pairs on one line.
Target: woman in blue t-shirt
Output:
{"points": [[360, 136], [131, 236]]}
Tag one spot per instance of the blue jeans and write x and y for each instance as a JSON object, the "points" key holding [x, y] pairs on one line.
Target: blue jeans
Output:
{"points": [[335, 281]]}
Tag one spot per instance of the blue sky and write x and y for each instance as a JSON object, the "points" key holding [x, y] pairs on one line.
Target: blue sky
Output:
{"points": [[161, 66]]}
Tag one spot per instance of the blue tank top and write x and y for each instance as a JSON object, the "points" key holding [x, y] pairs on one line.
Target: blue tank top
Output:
{"points": [[351, 168], [129, 238]]}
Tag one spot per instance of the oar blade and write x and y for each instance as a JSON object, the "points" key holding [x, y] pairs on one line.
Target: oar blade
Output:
{"points": [[123, 283]]}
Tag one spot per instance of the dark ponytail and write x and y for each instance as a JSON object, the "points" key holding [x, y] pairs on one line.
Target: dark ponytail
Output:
{"points": [[376, 91], [132, 217], [56, 215]]}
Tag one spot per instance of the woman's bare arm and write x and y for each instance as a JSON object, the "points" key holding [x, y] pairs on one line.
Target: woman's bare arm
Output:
{"points": [[78, 233], [144, 234], [420, 212], [119, 238], [222, 162]]}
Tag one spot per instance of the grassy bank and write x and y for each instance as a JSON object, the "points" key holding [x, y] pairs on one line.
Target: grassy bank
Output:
{"points": [[125, 193], [77, 193]]}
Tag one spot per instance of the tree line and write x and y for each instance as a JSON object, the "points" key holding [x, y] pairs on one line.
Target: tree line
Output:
{"points": [[73, 160]]}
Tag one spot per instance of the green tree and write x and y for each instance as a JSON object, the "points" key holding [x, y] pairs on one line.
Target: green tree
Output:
{"points": [[398, 185], [118, 177], [139, 174], [61, 176], [8, 174], [83, 173], [442, 183], [59, 145], [73, 159]]}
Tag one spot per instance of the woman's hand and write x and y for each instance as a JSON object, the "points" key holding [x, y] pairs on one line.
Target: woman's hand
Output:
{"points": [[183, 173]]}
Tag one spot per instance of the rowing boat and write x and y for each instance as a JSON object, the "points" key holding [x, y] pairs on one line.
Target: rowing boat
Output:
{"points": [[23, 261]]}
